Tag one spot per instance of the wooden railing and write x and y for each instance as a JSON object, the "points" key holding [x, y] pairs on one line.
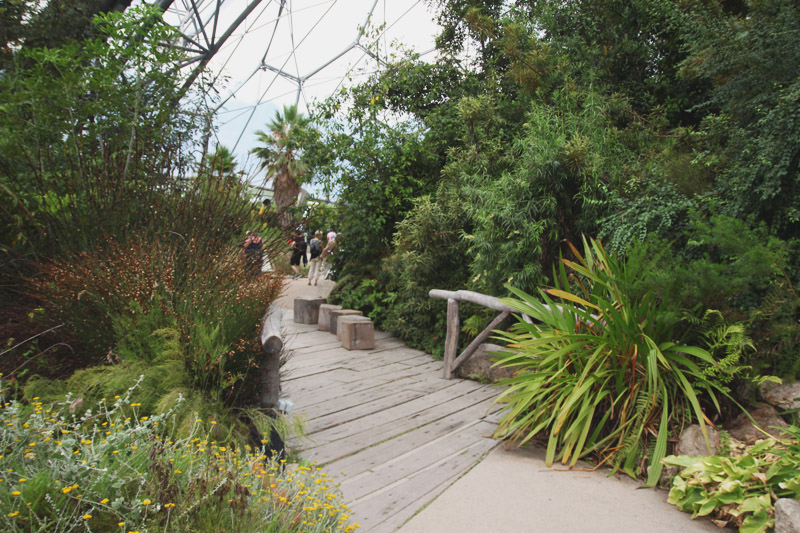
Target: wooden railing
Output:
{"points": [[451, 362]]}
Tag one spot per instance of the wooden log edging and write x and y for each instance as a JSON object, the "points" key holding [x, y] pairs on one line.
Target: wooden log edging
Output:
{"points": [[269, 370]]}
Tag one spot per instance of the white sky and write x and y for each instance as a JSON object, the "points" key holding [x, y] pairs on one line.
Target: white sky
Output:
{"points": [[318, 31]]}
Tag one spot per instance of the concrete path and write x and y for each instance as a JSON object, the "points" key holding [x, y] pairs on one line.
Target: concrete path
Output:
{"points": [[507, 491]]}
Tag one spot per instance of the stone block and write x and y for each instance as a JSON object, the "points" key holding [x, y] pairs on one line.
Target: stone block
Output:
{"points": [[354, 317], [324, 323], [357, 333], [306, 309], [337, 313]]}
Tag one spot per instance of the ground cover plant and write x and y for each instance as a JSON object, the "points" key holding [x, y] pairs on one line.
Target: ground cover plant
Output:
{"points": [[598, 371], [739, 489], [110, 468]]}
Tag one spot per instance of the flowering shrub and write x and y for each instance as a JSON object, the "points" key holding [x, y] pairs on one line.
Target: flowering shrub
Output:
{"points": [[112, 470]]}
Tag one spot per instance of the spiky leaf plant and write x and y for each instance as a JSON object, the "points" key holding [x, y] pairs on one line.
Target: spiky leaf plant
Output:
{"points": [[598, 371]]}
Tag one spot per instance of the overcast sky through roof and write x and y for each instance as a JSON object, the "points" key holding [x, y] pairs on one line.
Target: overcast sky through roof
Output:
{"points": [[311, 41]]}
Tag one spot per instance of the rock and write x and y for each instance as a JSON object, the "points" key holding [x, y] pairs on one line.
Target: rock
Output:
{"points": [[306, 309], [692, 443], [765, 416], [324, 323], [781, 396], [787, 516], [480, 365]]}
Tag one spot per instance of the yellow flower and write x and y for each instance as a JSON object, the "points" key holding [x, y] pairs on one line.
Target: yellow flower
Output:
{"points": [[120, 524], [12, 515], [16, 493], [22, 480], [146, 502], [104, 501], [87, 516]]}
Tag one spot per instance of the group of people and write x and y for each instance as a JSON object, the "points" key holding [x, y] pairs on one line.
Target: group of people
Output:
{"points": [[317, 258]]}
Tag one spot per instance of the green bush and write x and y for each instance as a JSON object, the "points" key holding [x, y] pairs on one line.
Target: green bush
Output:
{"points": [[112, 468], [598, 372]]}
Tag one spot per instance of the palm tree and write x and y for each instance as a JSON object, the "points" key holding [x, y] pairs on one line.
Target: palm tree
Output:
{"points": [[281, 156], [222, 162]]}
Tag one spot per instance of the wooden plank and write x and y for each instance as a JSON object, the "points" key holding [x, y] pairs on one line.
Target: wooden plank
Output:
{"points": [[355, 412], [416, 460], [350, 444], [404, 411], [332, 399], [386, 510], [422, 436], [352, 406]]}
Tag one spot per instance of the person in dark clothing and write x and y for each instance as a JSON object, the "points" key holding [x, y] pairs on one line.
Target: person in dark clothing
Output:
{"points": [[253, 250], [299, 246]]}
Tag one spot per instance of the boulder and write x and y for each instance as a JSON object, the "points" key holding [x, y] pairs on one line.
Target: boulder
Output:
{"points": [[787, 516], [335, 314], [324, 323], [765, 417], [784, 396], [692, 443], [479, 365], [357, 332], [306, 309]]}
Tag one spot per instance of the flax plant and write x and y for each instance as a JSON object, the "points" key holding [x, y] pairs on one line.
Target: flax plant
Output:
{"points": [[598, 371]]}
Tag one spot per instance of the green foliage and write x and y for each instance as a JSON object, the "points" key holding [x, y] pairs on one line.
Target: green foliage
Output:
{"points": [[598, 371], [566, 162], [90, 137], [729, 345], [750, 60], [740, 490], [111, 468]]}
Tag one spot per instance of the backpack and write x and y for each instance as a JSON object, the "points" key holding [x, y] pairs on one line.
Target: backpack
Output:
{"points": [[316, 249]]}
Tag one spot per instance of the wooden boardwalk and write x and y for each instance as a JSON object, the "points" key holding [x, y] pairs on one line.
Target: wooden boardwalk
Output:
{"points": [[383, 422]]}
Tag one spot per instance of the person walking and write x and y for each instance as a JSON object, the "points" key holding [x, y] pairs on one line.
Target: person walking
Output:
{"points": [[315, 249], [324, 267], [298, 251]]}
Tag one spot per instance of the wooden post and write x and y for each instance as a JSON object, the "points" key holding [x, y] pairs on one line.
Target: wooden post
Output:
{"points": [[269, 371], [451, 342], [469, 350]]}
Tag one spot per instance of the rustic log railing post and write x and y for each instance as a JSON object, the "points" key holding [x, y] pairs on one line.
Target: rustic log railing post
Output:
{"points": [[269, 370], [451, 362], [451, 341]]}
